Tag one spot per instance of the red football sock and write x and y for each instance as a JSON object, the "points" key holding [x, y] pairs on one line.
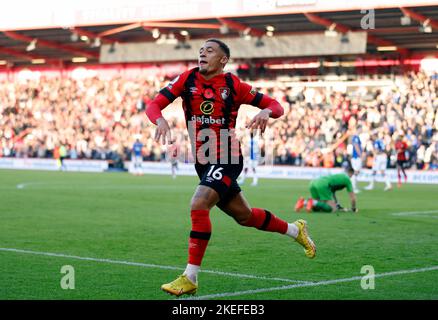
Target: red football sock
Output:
{"points": [[199, 236], [265, 220]]}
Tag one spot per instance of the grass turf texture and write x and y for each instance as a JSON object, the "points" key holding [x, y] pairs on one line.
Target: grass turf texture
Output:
{"points": [[147, 220]]}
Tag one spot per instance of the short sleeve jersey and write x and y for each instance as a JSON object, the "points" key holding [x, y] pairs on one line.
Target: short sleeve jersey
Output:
{"points": [[379, 146], [137, 149], [356, 145], [213, 105], [401, 147], [338, 182]]}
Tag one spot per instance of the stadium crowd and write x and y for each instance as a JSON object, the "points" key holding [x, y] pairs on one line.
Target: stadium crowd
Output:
{"points": [[97, 119]]}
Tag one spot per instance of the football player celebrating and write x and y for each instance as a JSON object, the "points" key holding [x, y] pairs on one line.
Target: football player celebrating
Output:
{"points": [[211, 101]]}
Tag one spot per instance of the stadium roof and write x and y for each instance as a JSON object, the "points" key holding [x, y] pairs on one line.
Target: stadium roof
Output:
{"points": [[410, 36]]}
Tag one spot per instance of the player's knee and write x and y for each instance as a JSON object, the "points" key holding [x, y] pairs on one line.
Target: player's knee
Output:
{"points": [[199, 204]]}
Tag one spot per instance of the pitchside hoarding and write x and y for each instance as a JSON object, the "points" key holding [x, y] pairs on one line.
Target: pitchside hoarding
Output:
{"points": [[187, 169]]}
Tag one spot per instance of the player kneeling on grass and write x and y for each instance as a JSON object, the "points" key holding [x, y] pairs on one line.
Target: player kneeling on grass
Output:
{"points": [[323, 193]]}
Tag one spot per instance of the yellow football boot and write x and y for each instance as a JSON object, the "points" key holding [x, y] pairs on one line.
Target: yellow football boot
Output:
{"points": [[182, 285], [303, 238]]}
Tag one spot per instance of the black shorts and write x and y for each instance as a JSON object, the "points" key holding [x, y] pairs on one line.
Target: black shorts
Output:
{"points": [[221, 178], [402, 163]]}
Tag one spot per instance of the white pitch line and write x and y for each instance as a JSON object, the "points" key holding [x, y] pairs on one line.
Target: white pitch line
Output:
{"points": [[57, 185], [148, 265], [249, 276], [310, 284], [419, 214], [25, 184], [60, 185]]}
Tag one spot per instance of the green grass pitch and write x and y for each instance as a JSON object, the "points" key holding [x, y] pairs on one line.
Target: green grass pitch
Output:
{"points": [[140, 225]]}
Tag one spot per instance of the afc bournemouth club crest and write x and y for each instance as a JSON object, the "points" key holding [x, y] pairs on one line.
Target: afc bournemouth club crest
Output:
{"points": [[225, 92]]}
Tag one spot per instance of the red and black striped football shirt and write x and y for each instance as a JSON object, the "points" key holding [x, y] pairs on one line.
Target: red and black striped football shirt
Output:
{"points": [[211, 108]]}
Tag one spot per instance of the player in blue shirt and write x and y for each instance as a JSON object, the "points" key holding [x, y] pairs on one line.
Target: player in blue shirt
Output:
{"points": [[137, 157], [356, 158], [379, 163], [251, 160]]}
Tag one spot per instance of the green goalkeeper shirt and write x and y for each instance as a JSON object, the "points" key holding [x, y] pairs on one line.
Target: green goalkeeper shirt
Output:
{"points": [[338, 182]]}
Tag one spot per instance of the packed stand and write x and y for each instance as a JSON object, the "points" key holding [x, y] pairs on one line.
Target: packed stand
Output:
{"points": [[100, 119]]}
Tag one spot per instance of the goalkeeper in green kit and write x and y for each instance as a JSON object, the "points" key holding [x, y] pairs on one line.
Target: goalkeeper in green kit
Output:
{"points": [[323, 193]]}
